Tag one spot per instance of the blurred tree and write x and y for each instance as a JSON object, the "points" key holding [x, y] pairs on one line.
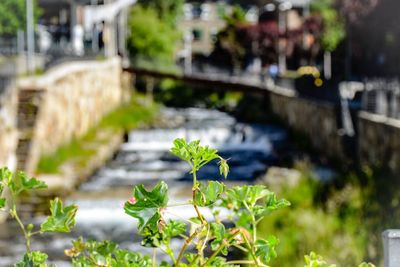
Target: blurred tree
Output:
{"points": [[333, 31], [354, 10], [167, 10], [236, 17], [227, 40], [259, 3], [376, 41], [13, 15], [150, 37]]}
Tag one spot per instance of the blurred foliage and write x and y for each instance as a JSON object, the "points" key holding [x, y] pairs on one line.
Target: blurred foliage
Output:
{"points": [[150, 36], [13, 16], [177, 94], [228, 49], [238, 15], [124, 118], [159, 64], [168, 10], [321, 218], [341, 219], [333, 31]]}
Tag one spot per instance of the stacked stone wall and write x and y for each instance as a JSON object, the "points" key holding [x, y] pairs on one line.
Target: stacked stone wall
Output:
{"points": [[315, 119], [64, 104]]}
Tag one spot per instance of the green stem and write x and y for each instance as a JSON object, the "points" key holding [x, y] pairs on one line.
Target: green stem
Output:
{"points": [[253, 222], [241, 248], [179, 204], [222, 246], [253, 255], [194, 178], [194, 260], [187, 242], [203, 222], [194, 189], [181, 218], [14, 214], [169, 252], [154, 257]]}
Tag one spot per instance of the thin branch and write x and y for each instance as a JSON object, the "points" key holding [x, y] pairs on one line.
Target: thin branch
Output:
{"points": [[187, 242], [222, 246]]}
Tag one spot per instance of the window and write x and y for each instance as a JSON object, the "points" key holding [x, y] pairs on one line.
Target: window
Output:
{"points": [[197, 34]]}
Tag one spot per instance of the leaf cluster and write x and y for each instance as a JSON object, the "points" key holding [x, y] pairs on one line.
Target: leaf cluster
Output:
{"points": [[207, 243], [61, 220], [104, 253], [13, 15], [149, 36], [333, 24], [197, 156]]}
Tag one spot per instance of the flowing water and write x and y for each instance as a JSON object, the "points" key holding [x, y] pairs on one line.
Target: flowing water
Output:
{"points": [[144, 158]]}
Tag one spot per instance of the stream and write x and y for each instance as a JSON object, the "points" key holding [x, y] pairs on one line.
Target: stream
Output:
{"points": [[145, 158]]}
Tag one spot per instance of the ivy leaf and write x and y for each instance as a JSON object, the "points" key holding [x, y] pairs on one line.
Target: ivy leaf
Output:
{"points": [[265, 249], [146, 205], [61, 219], [208, 195], [33, 259]]}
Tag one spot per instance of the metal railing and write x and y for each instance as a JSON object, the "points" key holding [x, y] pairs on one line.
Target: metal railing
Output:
{"points": [[382, 97], [391, 247]]}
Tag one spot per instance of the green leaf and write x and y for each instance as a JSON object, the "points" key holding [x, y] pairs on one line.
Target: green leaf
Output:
{"points": [[21, 182], [208, 195], [78, 246], [223, 167], [271, 204], [61, 219], [5, 175], [174, 228], [364, 264], [104, 253], [30, 183], [33, 259], [241, 196], [2, 203], [218, 231], [315, 260], [193, 258], [265, 249], [197, 156], [147, 205]]}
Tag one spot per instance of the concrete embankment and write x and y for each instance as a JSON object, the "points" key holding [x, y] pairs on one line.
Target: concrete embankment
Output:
{"points": [[63, 104]]}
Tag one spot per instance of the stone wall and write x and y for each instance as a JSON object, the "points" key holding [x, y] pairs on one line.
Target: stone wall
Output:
{"points": [[379, 141], [317, 120], [8, 127], [64, 104]]}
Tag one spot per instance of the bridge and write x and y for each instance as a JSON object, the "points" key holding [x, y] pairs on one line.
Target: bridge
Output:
{"points": [[209, 81]]}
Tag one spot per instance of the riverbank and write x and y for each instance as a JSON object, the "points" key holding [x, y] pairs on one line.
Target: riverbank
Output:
{"points": [[73, 163], [341, 219]]}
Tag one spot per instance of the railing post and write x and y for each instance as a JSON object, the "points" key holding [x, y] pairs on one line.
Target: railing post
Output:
{"points": [[391, 246]]}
